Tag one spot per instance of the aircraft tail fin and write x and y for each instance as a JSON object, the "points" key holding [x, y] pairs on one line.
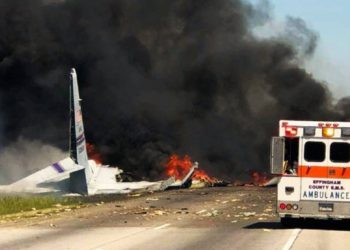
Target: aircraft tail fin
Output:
{"points": [[77, 147]]}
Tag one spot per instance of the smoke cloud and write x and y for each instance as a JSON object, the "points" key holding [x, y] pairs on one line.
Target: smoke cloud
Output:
{"points": [[23, 157], [157, 77]]}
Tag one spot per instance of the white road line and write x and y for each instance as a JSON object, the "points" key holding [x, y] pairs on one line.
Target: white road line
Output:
{"points": [[292, 239], [162, 226]]}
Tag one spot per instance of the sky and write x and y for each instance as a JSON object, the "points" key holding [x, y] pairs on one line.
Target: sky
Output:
{"points": [[331, 20]]}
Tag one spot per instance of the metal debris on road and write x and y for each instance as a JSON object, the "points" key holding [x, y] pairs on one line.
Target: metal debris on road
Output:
{"points": [[201, 211], [152, 199], [134, 195], [141, 212], [159, 212], [249, 214]]}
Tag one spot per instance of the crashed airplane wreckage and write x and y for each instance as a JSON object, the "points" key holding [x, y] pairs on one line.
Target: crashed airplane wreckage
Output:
{"points": [[77, 174]]}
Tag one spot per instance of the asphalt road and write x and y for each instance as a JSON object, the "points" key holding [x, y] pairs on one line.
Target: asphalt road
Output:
{"points": [[211, 218]]}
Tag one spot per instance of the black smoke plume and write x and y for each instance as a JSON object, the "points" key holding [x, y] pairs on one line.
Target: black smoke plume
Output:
{"points": [[157, 77]]}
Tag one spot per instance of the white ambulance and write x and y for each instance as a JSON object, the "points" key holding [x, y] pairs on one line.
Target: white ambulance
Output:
{"points": [[312, 159]]}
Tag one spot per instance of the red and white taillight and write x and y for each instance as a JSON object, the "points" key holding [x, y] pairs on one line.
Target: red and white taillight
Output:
{"points": [[288, 206]]}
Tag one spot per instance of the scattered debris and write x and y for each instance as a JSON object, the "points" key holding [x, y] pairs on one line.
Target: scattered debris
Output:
{"points": [[206, 213], [152, 199], [249, 214], [159, 212], [215, 212], [201, 211], [141, 212], [134, 195]]}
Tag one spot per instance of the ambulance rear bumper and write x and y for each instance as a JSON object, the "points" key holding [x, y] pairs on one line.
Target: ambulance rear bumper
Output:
{"points": [[314, 216], [315, 209]]}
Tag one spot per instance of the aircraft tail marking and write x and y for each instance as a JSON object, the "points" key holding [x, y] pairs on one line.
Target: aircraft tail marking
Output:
{"points": [[58, 167]]}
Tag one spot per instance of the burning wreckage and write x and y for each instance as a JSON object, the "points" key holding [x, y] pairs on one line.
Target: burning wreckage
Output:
{"points": [[77, 174], [178, 167]]}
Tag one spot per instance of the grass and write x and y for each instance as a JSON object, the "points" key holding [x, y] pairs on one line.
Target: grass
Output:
{"points": [[16, 204], [10, 204]]}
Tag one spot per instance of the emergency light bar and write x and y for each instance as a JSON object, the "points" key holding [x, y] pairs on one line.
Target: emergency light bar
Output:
{"points": [[318, 129]]}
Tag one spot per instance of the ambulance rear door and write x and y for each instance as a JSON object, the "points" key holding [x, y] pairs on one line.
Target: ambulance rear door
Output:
{"points": [[313, 166]]}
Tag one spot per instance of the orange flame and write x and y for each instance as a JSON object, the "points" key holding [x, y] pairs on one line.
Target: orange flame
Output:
{"points": [[200, 174], [179, 167], [93, 154]]}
